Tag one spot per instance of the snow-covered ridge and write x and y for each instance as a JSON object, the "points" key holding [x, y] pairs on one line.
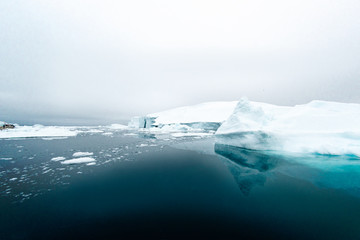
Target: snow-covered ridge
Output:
{"points": [[205, 116], [317, 127]]}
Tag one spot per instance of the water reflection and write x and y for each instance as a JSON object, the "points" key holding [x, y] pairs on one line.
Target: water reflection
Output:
{"points": [[247, 158], [249, 168]]}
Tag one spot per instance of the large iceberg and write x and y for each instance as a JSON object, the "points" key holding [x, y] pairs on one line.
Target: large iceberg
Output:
{"points": [[319, 127], [205, 116]]}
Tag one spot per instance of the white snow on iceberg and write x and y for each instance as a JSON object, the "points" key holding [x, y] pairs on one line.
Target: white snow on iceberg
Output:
{"points": [[205, 116], [317, 127]]}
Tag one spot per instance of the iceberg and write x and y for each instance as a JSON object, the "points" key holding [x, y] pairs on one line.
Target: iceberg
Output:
{"points": [[206, 116], [319, 127]]}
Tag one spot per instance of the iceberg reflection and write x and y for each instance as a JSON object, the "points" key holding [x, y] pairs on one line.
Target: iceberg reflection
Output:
{"points": [[251, 168], [248, 167]]}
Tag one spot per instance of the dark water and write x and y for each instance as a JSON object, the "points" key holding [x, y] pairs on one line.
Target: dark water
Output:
{"points": [[143, 187]]}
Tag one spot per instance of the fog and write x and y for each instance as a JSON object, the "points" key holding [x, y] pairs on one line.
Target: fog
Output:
{"points": [[76, 62]]}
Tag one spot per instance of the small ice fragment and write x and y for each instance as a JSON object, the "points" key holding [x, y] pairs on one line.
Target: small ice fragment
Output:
{"points": [[46, 171], [57, 159], [82, 154], [130, 134], [6, 159], [79, 160], [90, 164], [12, 179], [107, 133]]}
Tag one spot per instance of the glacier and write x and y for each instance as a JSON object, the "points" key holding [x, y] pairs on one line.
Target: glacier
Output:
{"points": [[206, 117], [319, 127]]}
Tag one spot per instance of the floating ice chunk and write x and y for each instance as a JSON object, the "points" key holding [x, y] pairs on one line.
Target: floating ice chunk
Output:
{"points": [[91, 164], [6, 159], [57, 159], [13, 179], [107, 133], [82, 154], [46, 171], [130, 134], [93, 130], [79, 160], [317, 127], [53, 138], [116, 126], [191, 134]]}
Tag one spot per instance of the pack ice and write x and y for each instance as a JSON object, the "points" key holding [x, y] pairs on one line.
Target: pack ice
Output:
{"points": [[319, 127], [205, 116]]}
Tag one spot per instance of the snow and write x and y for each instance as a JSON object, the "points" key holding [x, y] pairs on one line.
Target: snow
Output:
{"points": [[38, 131], [317, 127], [58, 159], [205, 112], [82, 154], [79, 160]]}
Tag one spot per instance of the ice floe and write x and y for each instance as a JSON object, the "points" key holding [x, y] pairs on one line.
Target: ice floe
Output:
{"points": [[58, 159], [82, 154], [79, 160]]}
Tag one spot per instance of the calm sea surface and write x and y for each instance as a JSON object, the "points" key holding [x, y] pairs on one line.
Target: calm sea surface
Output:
{"points": [[146, 186]]}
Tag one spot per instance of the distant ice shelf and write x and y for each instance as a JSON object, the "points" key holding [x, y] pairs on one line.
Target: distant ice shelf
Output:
{"points": [[57, 132], [38, 131], [206, 116]]}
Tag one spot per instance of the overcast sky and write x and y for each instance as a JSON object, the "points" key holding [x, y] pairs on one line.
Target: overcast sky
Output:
{"points": [[111, 59]]}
